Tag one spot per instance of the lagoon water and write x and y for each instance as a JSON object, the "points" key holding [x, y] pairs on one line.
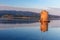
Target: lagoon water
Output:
{"points": [[30, 31]]}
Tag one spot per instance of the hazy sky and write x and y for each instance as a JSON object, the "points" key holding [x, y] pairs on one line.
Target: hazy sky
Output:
{"points": [[31, 3]]}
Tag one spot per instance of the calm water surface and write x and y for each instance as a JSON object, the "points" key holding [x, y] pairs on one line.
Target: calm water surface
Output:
{"points": [[29, 31]]}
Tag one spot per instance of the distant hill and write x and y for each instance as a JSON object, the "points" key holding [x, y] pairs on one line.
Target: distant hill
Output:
{"points": [[29, 12], [21, 13]]}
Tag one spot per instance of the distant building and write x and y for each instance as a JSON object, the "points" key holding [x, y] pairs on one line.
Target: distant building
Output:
{"points": [[7, 16]]}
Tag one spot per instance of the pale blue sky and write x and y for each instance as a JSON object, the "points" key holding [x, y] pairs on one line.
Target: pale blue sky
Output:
{"points": [[31, 3]]}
